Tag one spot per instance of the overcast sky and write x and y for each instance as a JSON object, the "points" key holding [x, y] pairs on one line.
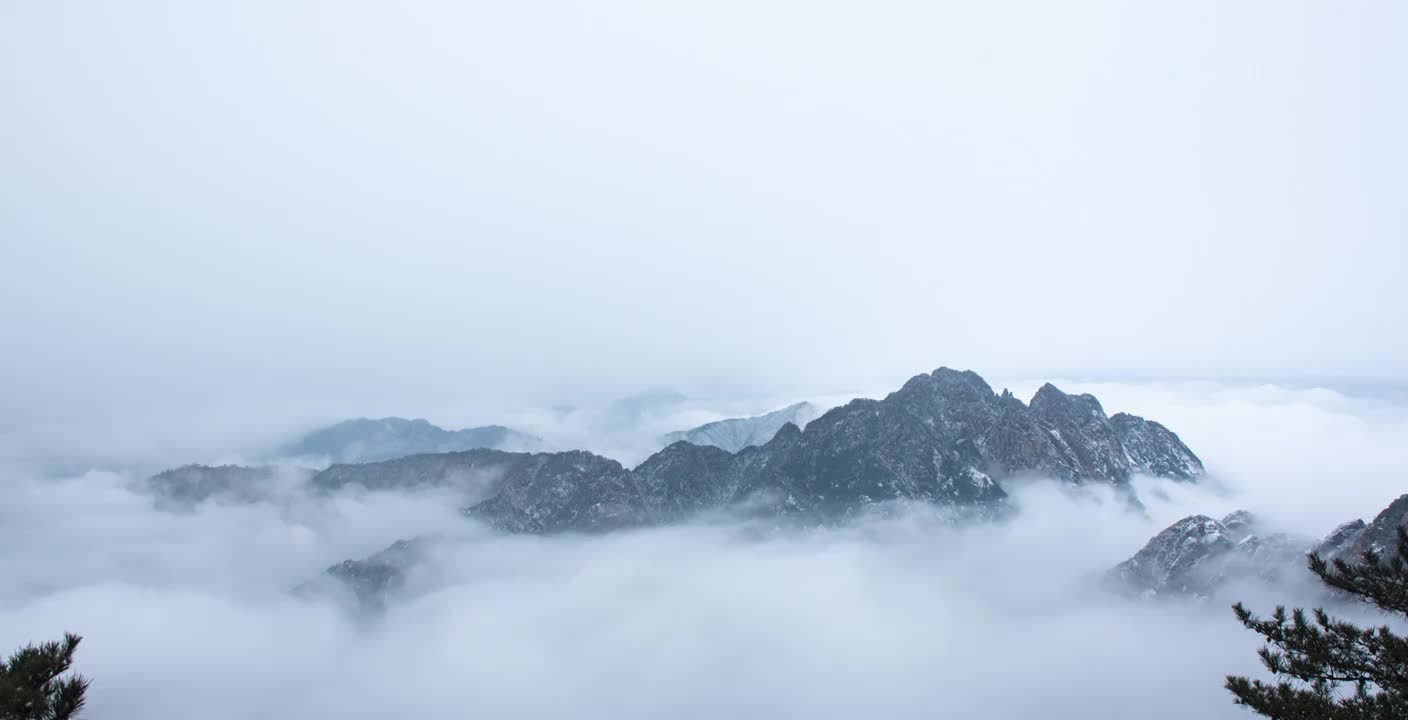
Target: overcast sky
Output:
{"points": [[270, 204]]}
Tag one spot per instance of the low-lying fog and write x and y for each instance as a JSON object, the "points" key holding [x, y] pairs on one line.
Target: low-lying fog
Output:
{"points": [[189, 614]]}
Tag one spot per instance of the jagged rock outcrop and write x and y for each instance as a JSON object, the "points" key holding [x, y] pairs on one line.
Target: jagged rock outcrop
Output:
{"points": [[373, 578], [1178, 559], [944, 438], [1197, 555], [1340, 539], [1350, 540], [1153, 449], [735, 434], [1239, 524], [555, 492], [684, 478], [517, 492], [366, 440]]}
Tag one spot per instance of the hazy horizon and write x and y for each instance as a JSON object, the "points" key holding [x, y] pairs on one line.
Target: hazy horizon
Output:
{"points": [[326, 207], [222, 225]]}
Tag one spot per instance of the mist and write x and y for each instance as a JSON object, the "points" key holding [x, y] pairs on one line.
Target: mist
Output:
{"points": [[900, 614], [314, 209], [224, 226]]}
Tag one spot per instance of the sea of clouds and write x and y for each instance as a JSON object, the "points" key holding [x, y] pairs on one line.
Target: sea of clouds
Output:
{"points": [[190, 613]]}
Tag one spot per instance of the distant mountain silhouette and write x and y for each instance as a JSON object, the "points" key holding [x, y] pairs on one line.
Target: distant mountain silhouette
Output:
{"points": [[371, 440], [735, 434]]}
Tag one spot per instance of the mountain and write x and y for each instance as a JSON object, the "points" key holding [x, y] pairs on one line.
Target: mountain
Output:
{"points": [[738, 433], [1198, 555], [186, 486], [1350, 540], [944, 438], [520, 492], [373, 578], [370, 440]]}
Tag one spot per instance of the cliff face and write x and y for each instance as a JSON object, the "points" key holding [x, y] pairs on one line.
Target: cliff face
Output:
{"points": [[1197, 555], [1350, 540]]}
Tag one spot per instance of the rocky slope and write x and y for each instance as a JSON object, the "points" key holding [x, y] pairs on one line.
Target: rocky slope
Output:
{"points": [[371, 440], [1350, 540], [944, 438], [371, 580], [735, 434], [1198, 555]]}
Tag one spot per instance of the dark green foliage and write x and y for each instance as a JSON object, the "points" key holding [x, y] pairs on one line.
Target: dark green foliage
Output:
{"points": [[1328, 668], [33, 686]]}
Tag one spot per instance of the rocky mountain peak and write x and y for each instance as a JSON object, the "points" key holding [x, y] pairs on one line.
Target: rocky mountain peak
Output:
{"points": [[1050, 402], [1239, 525], [1197, 555], [944, 438], [787, 433], [1350, 540]]}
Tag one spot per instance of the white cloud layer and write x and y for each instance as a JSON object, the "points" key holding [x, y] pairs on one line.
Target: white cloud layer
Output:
{"points": [[188, 614]]}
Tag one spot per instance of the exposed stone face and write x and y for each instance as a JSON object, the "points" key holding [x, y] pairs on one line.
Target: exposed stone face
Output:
{"points": [[1197, 555], [1087, 444], [1340, 539], [1179, 560], [943, 438], [1155, 450], [572, 491], [683, 478], [1350, 540], [371, 579], [1239, 525]]}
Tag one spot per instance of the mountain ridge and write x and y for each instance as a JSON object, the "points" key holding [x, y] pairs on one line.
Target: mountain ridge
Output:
{"points": [[734, 434], [1198, 555], [362, 440], [944, 438]]}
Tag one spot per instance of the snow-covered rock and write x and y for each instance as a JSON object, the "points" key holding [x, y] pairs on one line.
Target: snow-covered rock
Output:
{"points": [[1198, 555], [1350, 540]]}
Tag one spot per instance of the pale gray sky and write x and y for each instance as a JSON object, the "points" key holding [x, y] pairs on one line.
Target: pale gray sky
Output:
{"points": [[384, 205]]}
